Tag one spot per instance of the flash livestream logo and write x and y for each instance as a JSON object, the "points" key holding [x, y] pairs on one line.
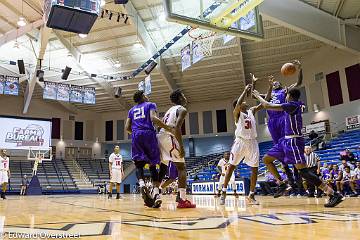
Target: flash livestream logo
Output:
{"points": [[32, 135]]}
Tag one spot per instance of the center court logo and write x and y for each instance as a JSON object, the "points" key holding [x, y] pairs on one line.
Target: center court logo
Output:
{"points": [[32, 135]]}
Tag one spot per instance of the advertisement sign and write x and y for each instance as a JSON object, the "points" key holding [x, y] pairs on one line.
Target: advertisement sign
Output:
{"points": [[353, 122], [11, 86], [317, 127], [17, 133], [211, 187]]}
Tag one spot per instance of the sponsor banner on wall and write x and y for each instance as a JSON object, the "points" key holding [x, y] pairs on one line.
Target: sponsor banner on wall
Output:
{"points": [[317, 127], [18, 133], [353, 122], [211, 187]]}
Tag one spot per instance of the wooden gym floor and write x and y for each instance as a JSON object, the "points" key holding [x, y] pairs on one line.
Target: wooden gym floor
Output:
{"points": [[96, 217]]}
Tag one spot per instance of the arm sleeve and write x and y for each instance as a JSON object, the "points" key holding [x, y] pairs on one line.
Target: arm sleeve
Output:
{"points": [[288, 107]]}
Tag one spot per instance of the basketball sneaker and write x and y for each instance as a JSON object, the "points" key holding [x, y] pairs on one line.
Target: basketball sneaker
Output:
{"points": [[236, 195], [177, 197], [282, 189], [118, 196], [110, 195], [223, 198], [334, 200], [251, 199], [148, 200], [157, 201], [185, 204], [3, 195]]}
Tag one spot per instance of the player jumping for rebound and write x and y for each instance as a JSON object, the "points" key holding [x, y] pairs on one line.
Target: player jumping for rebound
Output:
{"points": [[171, 144], [222, 166], [4, 172], [245, 145], [290, 149], [144, 148], [116, 171]]}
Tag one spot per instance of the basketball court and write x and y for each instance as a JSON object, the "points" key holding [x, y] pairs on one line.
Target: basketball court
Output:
{"points": [[68, 74]]}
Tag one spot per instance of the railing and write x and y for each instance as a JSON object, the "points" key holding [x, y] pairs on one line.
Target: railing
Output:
{"points": [[82, 174]]}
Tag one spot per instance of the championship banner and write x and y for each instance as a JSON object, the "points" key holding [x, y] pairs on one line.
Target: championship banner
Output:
{"points": [[89, 95], [63, 92], [50, 90], [185, 57], [317, 127], [76, 94], [11, 86], [211, 188], [2, 84], [197, 53], [18, 133], [353, 122], [147, 85], [141, 86]]}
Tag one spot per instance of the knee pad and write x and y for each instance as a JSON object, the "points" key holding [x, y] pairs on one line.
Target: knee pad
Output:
{"points": [[309, 176]]}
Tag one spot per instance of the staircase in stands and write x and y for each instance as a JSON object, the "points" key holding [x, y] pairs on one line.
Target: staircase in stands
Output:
{"points": [[80, 178]]}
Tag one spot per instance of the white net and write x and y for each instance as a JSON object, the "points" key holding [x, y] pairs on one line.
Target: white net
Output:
{"points": [[204, 40]]}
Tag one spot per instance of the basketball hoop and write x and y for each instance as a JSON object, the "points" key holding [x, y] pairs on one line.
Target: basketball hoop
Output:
{"points": [[204, 39]]}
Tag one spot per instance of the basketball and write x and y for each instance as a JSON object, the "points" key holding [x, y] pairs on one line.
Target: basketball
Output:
{"points": [[288, 69]]}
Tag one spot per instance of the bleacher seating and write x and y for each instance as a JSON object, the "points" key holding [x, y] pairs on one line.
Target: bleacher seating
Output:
{"points": [[53, 175], [98, 169], [199, 165]]}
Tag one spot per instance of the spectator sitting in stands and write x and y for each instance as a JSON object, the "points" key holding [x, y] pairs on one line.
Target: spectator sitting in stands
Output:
{"points": [[215, 177], [196, 178], [237, 175], [313, 135], [326, 172], [346, 181], [349, 157], [335, 176], [344, 164], [355, 178], [315, 140], [268, 184]]}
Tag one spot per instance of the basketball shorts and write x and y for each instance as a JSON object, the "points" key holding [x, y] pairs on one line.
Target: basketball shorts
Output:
{"points": [[222, 180], [276, 128], [116, 176], [245, 150], [289, 151], [4, 177], [169, 148], [144, 147]]}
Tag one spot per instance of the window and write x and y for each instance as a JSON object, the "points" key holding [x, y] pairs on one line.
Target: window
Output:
{"points": [[109, 131], [207, 122], [79, 131], [55, 128], [334, 88], [221, 121], [120, 126], [353, 81], [194, 123]]}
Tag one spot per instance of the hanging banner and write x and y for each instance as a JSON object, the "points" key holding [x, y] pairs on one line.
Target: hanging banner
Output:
{"points": [[50, 90], [89, 95], [147, 85], [76, 94], [63, 92], [11, 86], [185, 57], [197, 53], [2, 84]]}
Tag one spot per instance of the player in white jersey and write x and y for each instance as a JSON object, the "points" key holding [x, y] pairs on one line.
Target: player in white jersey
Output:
{"points": [[4, 171], [116, 171], [222, 166], [171, 144], [245, 147]]}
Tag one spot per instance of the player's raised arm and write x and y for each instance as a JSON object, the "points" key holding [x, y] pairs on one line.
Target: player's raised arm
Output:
{"points": [[300, 77], [266, 104], [157, 121], [240, 101], [177, 130], [271, 85], [128, 125]]}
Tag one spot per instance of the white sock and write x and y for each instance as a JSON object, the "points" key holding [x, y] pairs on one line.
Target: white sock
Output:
{"points": [[251, 193], [182, 193], [224, 189], [156, 190], [141, 183]]}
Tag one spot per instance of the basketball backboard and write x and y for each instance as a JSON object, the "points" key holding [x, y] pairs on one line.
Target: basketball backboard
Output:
{"points": [[205, 14]]}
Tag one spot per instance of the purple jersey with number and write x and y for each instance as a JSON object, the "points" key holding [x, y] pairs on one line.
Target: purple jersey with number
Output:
{"points": [[278, 96], [144, 144], [293, 118], [325, 173], [140, 116]]}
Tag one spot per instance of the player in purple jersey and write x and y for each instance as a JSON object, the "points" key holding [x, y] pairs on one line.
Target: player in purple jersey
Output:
{"points": [[290, 148], [144, 147]]}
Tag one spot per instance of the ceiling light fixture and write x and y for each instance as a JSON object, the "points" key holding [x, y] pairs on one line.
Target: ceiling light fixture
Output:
{"points": [[117, 64], [21, 22], [102, 3], [82, 35]]}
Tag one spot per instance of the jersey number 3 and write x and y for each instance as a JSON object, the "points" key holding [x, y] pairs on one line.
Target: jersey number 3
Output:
{"points": [[248, 124], [139, 113]]}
